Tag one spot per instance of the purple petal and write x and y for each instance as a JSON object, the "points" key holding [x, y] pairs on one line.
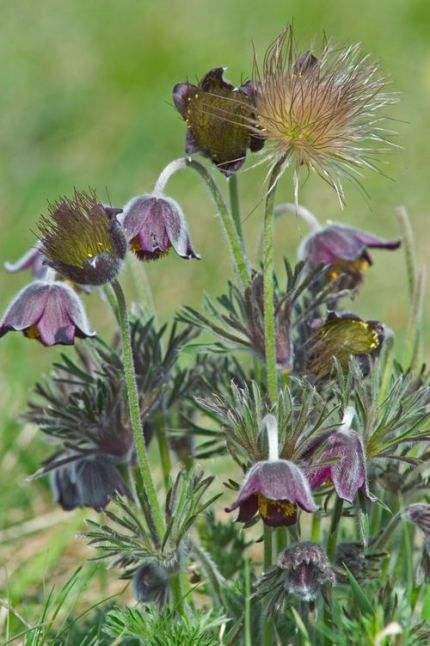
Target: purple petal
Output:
{"points": [[63, 317], [214, 79], [191, 145], [181, 93], [177, 230], [248, 509], [133, 215], [373, 242], [26, 309], [349, 473], [277, 480], [98, 481], [33, 259]]}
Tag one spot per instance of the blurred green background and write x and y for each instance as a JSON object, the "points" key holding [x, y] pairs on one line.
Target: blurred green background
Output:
{"points": [[86, 101]]}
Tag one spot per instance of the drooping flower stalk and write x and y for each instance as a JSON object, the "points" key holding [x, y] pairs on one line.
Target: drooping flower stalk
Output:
{"points": [[240, 260]]}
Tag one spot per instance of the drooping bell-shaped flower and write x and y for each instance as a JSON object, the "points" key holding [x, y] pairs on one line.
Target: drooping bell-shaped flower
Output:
{"points": [[345, 250], [52, 313], [87, 482], [219, 118], [342, 462], [155, 223], [305, 569], [83, 240], [33, 260], [274, 488]]}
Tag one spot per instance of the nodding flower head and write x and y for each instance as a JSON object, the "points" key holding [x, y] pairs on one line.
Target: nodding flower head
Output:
{"points": [[322, 112], [153, 224], [342, 461], [305, 569], [218, 118], [49, 312], [274, 488], [87, 482], [344, 250], [82, 239]]}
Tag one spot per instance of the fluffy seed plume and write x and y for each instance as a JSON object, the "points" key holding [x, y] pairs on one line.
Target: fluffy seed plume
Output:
{"points": [[323, 113], [82, 240]]}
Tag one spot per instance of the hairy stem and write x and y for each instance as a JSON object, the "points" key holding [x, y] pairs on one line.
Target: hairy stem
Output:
{"points": [[269, 302], [164, 451], [247, 619], [240, 260], [334, 527], [268, 555], [233, 190], [137, 429]]}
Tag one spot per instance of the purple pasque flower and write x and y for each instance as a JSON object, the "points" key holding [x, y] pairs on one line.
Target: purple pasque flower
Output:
{"points": [[274, 488], [305, 569], [345, 250], [87, 482], [220, 119], [155, 223], [50, 312], [342, 461], [33, 260]]}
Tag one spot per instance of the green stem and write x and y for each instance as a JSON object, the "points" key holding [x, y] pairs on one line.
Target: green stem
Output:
{"points": [[163, 448], [110, 297], [386, 533], [334, 527], [247, 621], [177, 596], [409, 248], [316, 528], [240, 260], [233, 190], [139, 442], [269, 296], [268, 556], [134, 409]]}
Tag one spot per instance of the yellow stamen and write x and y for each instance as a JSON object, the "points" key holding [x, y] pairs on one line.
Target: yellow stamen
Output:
{"points": [[32, 332], [267, 507]]}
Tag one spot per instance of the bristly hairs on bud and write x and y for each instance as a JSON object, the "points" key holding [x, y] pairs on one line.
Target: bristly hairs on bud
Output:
{"points": [[82, 240]]}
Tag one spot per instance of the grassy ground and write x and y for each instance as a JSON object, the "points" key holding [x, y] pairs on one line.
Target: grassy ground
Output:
{"points": [[85, 100]]}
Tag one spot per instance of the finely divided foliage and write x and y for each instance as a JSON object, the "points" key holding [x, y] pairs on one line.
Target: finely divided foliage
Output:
{"points": [[311, 425]]}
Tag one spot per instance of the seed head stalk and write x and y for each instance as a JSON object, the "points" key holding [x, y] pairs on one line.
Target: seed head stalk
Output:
{"points": [[269, 303]]}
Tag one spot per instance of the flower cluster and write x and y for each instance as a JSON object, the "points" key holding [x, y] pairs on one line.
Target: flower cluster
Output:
{"points": [[327, 433]]}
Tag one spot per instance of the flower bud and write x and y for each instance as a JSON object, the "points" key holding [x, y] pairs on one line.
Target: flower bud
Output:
{"points": [[151, 584], [306, 568], [82, 239]]}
